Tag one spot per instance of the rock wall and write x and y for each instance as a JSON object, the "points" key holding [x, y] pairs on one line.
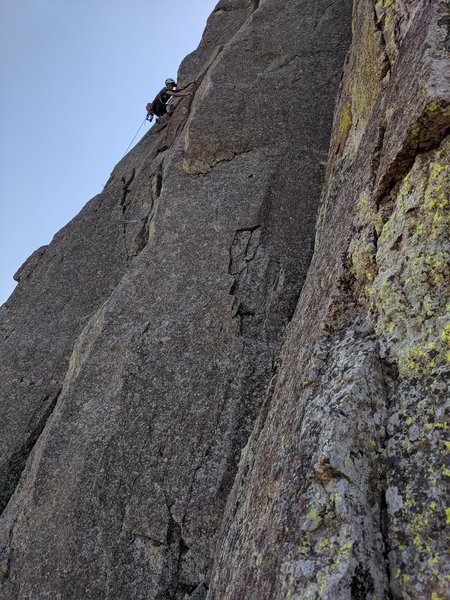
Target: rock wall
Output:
{"points": [[341, 490], [191, 406], [138, 346]]}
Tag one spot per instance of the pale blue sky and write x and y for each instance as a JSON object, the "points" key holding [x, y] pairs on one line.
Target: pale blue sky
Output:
{"points": [[75, 76]]}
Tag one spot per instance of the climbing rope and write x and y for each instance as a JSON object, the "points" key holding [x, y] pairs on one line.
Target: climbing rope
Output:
{"points": [[135, 136]]}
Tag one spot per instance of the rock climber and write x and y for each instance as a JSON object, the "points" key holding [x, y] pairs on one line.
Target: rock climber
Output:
{"points": [[161, 104]]}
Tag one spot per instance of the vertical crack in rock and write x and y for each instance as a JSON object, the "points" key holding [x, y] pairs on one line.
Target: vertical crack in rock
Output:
{"points": [[126, 189], [384, 529], [125, 201], [18, 460], [389, 376], [377, 152], [139, 211], [242, 251], [387, 66], [412, 253], [179, 547]]}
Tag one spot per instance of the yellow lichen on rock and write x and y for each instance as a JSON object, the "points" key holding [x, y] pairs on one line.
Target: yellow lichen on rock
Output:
{"points": [[411, 288], [362, 248], [362, 81], [345, 121], [370, 70], [84, 344]]}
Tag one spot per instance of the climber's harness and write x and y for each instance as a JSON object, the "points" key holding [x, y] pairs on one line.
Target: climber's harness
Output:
{"points": [[150, 113]]}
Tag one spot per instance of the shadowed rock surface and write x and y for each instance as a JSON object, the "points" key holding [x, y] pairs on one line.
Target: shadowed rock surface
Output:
{"points": [[139, 344], [341, 490], [185, 416]]}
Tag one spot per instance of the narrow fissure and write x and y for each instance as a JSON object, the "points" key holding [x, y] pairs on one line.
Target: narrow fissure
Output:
{"points": [[377, 151], [126, 189], [386, 544], [19, 459], [389, 374], [387, 66]]}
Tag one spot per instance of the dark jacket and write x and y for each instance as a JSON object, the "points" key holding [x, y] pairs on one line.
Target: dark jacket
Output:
{"points": [[159, 103]]}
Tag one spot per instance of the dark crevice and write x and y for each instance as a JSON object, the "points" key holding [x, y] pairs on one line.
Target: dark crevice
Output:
{"points": [[243, 250], [177, 589], [377, 151], [126, 189], [405, 159], [9, 334], [123, 203], [3, 577], [9, 546], [389, 375], [141, 238], [19, 459], [387, 63], [160, 125], [246, 467], [362, 586], [238, 253], [158, 184], [386, 544]]}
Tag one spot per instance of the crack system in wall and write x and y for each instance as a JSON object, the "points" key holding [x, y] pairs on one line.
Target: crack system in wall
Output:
{"points": [[242, 251], [18, 460]]}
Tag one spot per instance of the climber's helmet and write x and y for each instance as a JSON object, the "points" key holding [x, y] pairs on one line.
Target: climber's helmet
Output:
{"points": [[170, 82]]}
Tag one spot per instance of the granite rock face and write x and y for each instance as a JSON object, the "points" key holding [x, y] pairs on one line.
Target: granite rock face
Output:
{"points": [[341, 490], [212, 389], [138, 346]]}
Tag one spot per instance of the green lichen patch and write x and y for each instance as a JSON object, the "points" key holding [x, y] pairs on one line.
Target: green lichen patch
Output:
{"points": [[84, 344], [412, 287], [362, 252], [400, 259], [366, 68], [344, 123], [410, 299], [370, 68], [416, 523], [363, 246]]}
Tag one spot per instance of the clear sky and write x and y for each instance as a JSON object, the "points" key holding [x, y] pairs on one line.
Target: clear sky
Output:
{"points": [[75, 76]]}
